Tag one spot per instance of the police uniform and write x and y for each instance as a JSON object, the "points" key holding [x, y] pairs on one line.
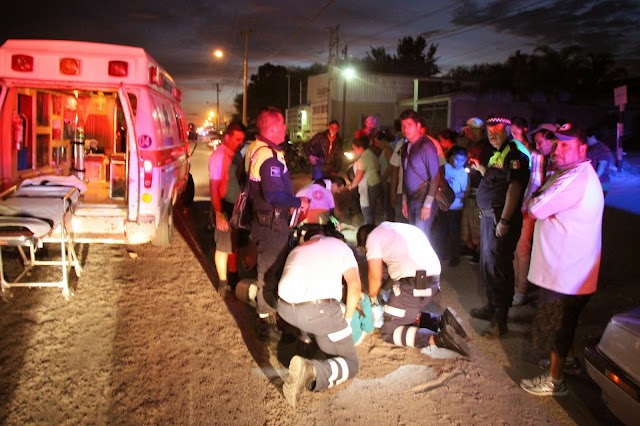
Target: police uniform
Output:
{"points": [[271, 196], [310, 290], [405, 250], [507, 164]]}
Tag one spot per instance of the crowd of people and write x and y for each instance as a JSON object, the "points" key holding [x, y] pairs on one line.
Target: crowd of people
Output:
{"points": [[528, 209]]}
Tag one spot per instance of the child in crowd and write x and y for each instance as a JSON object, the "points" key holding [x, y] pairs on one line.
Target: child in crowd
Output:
{"points": [[458, 178]]}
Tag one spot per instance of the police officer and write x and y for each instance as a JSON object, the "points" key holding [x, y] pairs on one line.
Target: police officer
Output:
{"points": [[271, 196], [414, 267], [310, 292], [499, 198]]}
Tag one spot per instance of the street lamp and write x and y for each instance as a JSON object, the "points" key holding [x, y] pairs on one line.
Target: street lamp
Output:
{"points": [[347, 74], [219, 54]]}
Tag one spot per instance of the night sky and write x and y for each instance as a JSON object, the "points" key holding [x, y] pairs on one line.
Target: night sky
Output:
{"points": [[182, 34]]}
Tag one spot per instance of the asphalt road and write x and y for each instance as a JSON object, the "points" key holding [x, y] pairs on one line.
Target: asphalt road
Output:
{"points": [[617, 292]]}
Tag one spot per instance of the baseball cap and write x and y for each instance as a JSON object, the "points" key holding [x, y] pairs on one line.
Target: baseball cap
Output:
{"points": [[570, 131], [493, 120], [474, 122], [544, 126]]}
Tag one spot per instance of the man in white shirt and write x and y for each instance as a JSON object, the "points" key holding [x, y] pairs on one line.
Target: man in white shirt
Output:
{"points": [[565, 258], [309, 293], [414, 267]]}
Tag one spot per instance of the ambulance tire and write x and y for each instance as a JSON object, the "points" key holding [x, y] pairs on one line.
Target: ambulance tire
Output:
{"points": [[189, 192], [162, 238]]}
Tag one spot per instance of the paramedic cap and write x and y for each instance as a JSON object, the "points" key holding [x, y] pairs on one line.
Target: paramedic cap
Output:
{"points": [[570, 131], [474, 122], [492, 120]]}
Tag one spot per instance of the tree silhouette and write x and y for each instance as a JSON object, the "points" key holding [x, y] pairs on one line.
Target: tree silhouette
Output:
{"points": [[410, 58]]}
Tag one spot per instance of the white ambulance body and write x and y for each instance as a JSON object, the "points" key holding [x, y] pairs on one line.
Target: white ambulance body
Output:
{"points": [[109, 115]]}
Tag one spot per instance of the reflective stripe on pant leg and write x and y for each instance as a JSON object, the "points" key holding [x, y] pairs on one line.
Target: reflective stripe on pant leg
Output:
{"points": [[339, 371], [405, 336]]}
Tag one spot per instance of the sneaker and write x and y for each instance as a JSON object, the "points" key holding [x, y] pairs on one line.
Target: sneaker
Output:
{"points": [[450, 317], [484, 313], [432, 351], [519, 299], [571, 366], [543, 386], [223, 288], [301, 375], [448, 339]]}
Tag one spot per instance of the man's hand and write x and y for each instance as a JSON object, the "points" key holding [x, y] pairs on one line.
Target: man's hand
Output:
{"points": [[425, 212], [222, 224], [313, 159], [304, 204], [405, 211], [501, 229]]}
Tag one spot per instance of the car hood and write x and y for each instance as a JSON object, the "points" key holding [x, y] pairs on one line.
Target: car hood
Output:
{"points": [[620, 342]]}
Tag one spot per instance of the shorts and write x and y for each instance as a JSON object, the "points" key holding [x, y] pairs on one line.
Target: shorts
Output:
{"points": [[556, 320], [225, 240]]}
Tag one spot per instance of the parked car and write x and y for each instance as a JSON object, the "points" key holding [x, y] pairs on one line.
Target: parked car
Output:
{"points": [[614, 364]]}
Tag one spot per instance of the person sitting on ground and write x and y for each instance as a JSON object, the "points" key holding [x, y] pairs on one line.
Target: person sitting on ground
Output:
{"points": [[321, 203], [414, 268], [309, 293]]}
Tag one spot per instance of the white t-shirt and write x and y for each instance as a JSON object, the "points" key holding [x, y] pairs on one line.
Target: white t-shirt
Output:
{"points": [[314, 270], [321, 203], [458, 180], [403, 248], [567, 240]]}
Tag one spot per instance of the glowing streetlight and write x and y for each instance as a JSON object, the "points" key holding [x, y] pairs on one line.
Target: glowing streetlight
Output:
{"points": [[218, 53]]}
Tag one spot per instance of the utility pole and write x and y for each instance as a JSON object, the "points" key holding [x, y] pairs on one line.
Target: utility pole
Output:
{"points": [[217, 107], [245, 35], [332, 61], [343, 123]]}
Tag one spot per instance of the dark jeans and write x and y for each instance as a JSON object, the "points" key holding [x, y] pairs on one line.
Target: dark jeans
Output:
{"points": [[375, 199], [496, 259], [447, 226]]}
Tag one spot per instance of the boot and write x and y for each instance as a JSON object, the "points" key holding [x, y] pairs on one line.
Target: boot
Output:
{"points": [[498, 326], [484, 313], [267, 328]]}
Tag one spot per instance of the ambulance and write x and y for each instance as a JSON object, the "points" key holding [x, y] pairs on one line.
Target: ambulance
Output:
{"points": [[107, 114]]}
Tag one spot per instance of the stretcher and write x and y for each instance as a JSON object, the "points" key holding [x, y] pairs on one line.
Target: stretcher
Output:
{"points": [[36, 213]]}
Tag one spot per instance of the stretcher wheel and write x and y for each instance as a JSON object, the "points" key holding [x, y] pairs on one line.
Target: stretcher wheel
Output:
{"points": [[7, 295], [68, 293]]}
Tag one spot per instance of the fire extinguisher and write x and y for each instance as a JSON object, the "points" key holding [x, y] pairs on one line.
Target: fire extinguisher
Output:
{"points": [[18, 131]]}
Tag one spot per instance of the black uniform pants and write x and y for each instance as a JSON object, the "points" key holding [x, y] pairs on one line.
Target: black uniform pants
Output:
{"points": [[496, 259], [272, 244]]}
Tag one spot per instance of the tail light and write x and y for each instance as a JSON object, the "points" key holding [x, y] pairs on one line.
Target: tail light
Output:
{"points": [[22, 63], [118, 68], [148, 173], [69, 66]]}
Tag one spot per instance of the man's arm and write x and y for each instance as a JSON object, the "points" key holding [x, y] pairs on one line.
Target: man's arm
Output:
{"points": [[374, 277], [510, 205], [354, 290], [216, 204]]}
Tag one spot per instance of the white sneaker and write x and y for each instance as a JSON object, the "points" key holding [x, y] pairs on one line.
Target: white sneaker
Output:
{"points": [[519, 299], [543, 386]]}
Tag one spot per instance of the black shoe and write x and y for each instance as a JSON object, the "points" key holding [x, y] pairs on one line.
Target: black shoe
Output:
{"points": [[448, 339], [268, 330], [301, 376], [498, 326], [484, 313], [450, 317], [223, 288]]}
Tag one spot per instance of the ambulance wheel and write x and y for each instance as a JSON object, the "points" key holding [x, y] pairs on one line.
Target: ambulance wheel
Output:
{"points": [[189, 192], [165, 228]]}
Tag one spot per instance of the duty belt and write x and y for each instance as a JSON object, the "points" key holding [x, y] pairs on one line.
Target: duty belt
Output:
{"points": [[431, 279], [309, 302]]}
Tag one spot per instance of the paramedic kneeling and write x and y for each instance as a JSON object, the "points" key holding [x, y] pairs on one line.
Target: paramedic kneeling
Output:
{"points": [[310, 291], [414, 267]]}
